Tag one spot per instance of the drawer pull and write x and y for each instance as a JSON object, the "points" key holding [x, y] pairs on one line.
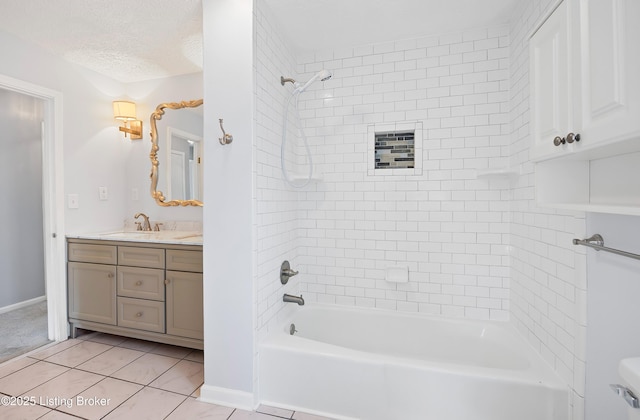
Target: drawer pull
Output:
{"points": [[558, 141], [139, 283], [139, 314]]}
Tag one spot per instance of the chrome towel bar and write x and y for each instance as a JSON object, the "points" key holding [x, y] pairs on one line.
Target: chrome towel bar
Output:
{"points": [[597, 242]]}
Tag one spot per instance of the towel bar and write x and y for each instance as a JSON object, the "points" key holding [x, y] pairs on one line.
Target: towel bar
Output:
{"points": [[597, 242]]}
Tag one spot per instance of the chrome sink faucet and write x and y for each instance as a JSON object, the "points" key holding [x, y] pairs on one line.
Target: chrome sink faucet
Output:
{"points": [[294, 299], [146, 225]]}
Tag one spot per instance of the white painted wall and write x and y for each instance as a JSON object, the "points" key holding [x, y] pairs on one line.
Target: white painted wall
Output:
{"points": [[21, 243], [612, 312], [229, 215], [94, 152]]}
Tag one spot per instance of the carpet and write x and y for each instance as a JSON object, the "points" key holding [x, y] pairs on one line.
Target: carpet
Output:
{"points": [[23, 330]]}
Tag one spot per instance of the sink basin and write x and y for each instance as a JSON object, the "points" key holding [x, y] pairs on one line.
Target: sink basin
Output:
{"points": [[629, 370], [158, 236]]}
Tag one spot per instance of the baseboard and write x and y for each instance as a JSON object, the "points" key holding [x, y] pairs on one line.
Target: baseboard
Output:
{"points": [[22, 304], [227, 397]]}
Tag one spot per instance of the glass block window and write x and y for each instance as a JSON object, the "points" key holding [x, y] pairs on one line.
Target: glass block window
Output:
{"points": [[395, 150]]}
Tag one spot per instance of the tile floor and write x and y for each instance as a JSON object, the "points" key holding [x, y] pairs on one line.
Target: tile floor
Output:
{"points": [[102, 376]]}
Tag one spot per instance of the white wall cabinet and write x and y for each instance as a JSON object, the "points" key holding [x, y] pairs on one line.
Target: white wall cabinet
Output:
{"points": [[584, 67], [551, 69], [610, 65], [142, 290]]}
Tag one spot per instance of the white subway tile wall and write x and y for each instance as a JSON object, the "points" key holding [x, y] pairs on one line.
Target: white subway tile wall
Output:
{"points": [[449, 227], [548, 273], [475, 247], [276, 203]]}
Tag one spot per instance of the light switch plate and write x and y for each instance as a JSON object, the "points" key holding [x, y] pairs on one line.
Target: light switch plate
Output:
{"points": [[104, 195]]}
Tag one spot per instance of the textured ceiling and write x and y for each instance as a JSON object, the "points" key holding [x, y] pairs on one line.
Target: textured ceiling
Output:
{"points": [[316, 25], [134, 40], [128, 40]]}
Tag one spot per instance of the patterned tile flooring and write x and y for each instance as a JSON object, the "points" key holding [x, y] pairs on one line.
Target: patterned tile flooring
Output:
{"points": [[102, 376]]}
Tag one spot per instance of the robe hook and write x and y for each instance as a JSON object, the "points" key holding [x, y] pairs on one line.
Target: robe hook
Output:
{"points": [[227, 138]]}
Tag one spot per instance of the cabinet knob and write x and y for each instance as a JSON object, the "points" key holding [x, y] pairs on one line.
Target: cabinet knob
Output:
{"points": [[558, 141], [572, 137], [139, 314], [139, 283], [110, 275], [167, 281]]}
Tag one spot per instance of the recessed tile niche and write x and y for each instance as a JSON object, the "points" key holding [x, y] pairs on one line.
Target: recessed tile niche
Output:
{"points": [[395, 149]]}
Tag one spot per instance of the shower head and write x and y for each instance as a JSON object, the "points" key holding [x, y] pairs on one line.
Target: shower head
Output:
{"points": [[323, 75]]}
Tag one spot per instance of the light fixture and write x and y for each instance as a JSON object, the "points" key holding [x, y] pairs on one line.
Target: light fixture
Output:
{"points": [[125, 111]]}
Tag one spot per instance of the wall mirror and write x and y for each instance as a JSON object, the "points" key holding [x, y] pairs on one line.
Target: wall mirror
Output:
{"points": [[176, 153]]}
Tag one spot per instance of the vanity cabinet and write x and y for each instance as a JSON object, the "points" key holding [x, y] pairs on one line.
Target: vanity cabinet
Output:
{"points": [[143, 290], [584, 66]]}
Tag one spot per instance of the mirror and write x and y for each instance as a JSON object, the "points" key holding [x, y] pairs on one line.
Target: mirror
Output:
{"points": [[180, 157]]}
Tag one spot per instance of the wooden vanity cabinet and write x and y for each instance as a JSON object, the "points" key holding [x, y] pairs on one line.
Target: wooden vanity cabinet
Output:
{"points": [[136, 289], [92, 292], [184, 293]]}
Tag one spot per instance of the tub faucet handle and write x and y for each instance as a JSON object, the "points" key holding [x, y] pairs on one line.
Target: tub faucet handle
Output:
{"points": [[286, 272]]}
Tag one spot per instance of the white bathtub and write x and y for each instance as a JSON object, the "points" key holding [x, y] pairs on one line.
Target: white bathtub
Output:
{"points": [[377, 365]]}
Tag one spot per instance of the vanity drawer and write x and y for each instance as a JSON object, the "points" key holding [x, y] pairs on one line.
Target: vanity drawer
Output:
{"points": [[141, 257], [143, 283], [184, 260], [99, 254], [141, 314]]}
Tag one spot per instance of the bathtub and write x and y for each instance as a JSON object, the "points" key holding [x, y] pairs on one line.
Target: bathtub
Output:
{"points": [[349, 363]]}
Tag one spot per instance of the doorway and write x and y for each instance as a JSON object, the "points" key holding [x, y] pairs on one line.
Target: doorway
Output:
{"points": [[32, 274], [23, 314]]}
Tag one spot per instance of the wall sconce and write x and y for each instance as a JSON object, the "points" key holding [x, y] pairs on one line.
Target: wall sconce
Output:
{"points": [[125, 111]]}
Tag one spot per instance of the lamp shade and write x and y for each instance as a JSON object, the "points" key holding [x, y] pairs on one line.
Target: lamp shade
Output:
{"points": [[124, 110]]}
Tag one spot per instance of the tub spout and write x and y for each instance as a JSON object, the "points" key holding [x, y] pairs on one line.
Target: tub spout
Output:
{"points": [[294, 299]]}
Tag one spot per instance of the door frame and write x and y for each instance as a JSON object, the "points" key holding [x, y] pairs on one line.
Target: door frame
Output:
{"points": [[52, 203]]}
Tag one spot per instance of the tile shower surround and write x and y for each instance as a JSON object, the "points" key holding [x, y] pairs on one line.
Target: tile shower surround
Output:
{"points": [[448, 227], [548, 274], [478, 248]]}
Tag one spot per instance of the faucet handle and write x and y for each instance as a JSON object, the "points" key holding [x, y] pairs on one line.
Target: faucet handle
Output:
{"points": [[139, 226], [157, 227], [286, 272]]}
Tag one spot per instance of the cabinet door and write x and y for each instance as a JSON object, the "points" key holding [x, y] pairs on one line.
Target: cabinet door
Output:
{"points": [[550, 78], [610, 70], [92, 292], [184, 304]]}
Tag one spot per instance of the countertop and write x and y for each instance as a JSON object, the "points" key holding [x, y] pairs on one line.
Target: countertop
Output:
{"points": [[162, 237]]}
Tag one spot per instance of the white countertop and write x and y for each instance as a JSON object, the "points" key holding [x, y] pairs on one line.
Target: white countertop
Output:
{"points": [[162, 237]]}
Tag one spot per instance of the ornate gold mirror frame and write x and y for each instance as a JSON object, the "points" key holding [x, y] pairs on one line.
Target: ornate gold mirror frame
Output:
{"points": [[157, 115]]}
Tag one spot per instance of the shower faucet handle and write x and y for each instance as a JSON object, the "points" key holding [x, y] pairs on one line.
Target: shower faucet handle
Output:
{"points": [[289, 273], [286, 272]]}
